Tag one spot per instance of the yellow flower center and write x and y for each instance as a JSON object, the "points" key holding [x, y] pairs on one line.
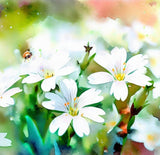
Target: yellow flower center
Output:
{"points": [[111, 124], [48, 74], [153, 62], [1, 97], [141, 36], [120, 76], [118, 73], [73, 110], [150, 137]]}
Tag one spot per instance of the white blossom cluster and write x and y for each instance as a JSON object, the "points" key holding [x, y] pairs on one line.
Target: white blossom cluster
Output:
{"points": [[62, 72]]}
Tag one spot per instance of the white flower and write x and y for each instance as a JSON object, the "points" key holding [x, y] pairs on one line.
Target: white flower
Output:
{"points": [[112, 118], [4, 141], [50, 70], [120, 72], [111, 30], [73, 108], [7, 79], [147, 131], [137, 34]]}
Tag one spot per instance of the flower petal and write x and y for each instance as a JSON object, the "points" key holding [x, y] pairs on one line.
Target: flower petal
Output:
{"points": [[120, 90], [2, 135], [6, 101], [119, 56], [7, 79], [100, 77], [137, 137], [57, 102], [61, 122], [51, 105], [68, 89], [150, 146], [12, 91], [80, 126], [4, 141], [135, 63], [90, 96], [65, 71], [48, 84], [92, 113], [32, 78], [104, 59], [134, 44], [138, 78], [60, 59], [55, 97]]}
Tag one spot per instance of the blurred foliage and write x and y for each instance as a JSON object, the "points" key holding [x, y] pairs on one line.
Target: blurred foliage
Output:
{"points": [[35, 141], [20, 19], [23, 19]]}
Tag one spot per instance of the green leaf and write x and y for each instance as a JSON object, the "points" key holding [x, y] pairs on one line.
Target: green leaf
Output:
{"points": [[36, 142], [124, 140], [91, 58], [56, 148], [130, 123], [50, 142], [81, 90], [141, 99], [34, 137], [27, 150], [84, 63]]}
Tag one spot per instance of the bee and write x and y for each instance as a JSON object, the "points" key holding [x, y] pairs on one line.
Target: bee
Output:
{"points": [[27, 54]]}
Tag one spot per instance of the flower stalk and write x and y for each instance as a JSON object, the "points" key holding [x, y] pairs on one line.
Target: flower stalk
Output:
{"points": [[128, 114], [87, 58]]}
